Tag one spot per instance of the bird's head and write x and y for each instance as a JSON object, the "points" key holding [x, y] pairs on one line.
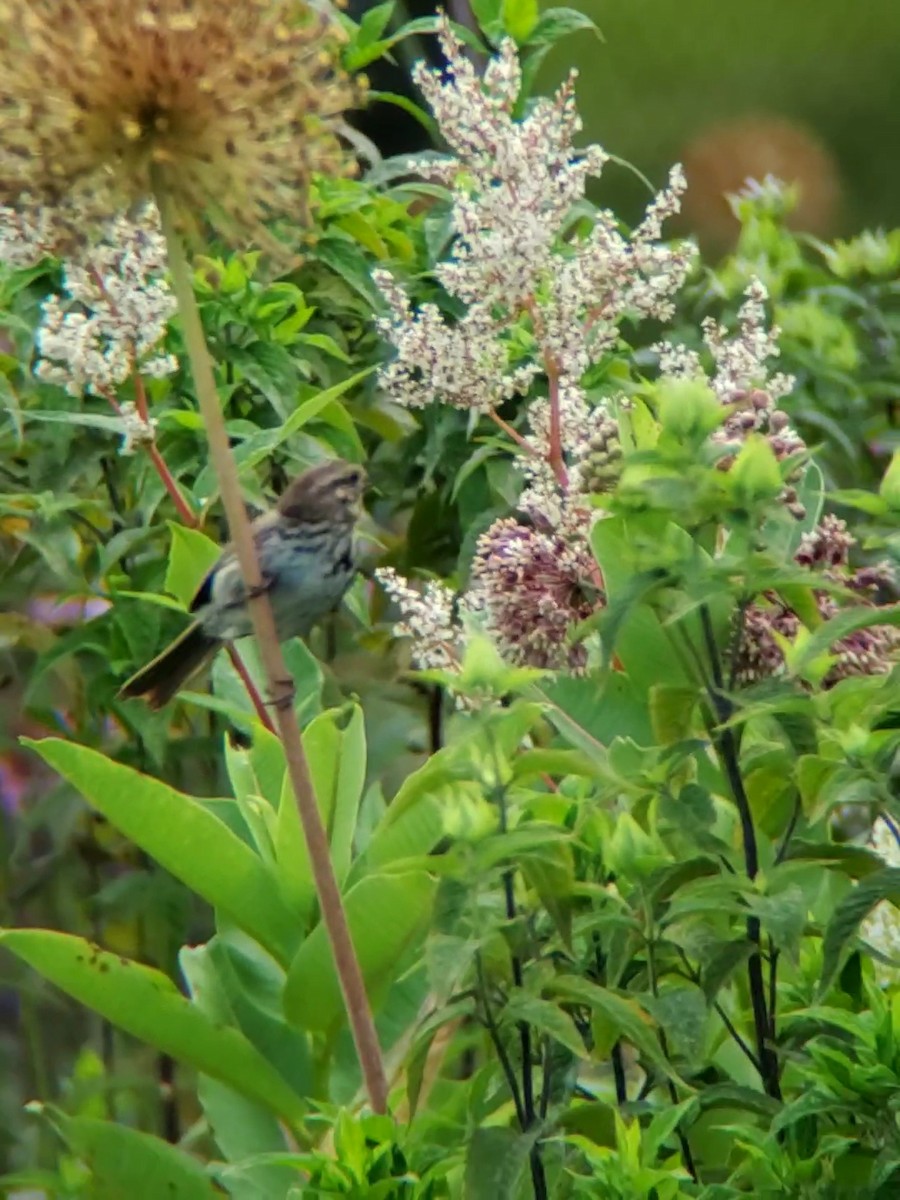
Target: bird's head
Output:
{"points": [[329, 492]]}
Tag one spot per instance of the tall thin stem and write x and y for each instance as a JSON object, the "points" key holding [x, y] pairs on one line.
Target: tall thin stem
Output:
{"points": [[727, 750], [279, 681]]}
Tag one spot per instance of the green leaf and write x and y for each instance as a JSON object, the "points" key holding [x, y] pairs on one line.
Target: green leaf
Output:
{"points": [[191, 556], [622, 1013], [125, 1162], [662, 1127], [243, 1127], [398, 100], [722, 962], [336, 752], [489, 15], [182, 836], [634, 630], [590, 713], [847, 621], [374, 22], [386, 915], [495, 1162], [271, 370], [146, 1004], [520, 18], [546, 1017], [681, 1012], [302, 666], [849, 914], [557, 23]]}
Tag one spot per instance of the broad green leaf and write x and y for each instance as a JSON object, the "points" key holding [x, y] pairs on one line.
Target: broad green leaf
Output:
{"points": [[242, 1127], [495, 1162], [257, 776], [145, 1003], [663, 1125], [589, 713], [336, 752], [386, 915], [671, 712], [623, 1014], [849, 914], [546, 1017], [191, 555], [182, 836], [682, 1014], [126, 1162], [489, 15], [300, 662], [634, 634], [520, 18], [557, 23], [721, 963]]}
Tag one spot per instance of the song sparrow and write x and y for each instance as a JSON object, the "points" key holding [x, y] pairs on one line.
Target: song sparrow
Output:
{"points": [[306, 558]]}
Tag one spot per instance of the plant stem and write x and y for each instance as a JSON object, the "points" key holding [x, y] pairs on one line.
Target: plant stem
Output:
{"points": [[252, 690], [512, 433], [686, 1155], [280, 683], [555, 456], [726, 748], [490, 1023], [527, 1120]]}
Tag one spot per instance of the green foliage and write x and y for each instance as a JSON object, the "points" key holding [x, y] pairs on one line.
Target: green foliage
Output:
{"points": [[613, 923]]}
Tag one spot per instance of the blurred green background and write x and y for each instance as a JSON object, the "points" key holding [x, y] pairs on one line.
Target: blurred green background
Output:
{"points": [[735, 89]]}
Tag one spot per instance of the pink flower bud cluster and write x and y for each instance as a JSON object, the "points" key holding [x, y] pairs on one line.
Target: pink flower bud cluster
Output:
{"points": [[870, 651], [530, 586]]}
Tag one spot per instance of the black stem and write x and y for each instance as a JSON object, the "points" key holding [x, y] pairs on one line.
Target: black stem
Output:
{"points": [[616, 1056], [694, 977], [727, 750], [171, 1123], [435, 718], [546, 1074], [490, 1025], [773, 987], [789, 832], [618, 1066], [538, 1178], [686, 1155]]}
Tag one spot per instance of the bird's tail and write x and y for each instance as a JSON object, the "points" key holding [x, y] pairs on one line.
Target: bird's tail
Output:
{"points": [[161, 678]]}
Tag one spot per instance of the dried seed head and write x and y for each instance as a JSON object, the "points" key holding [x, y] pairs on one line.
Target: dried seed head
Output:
{"points": [[232, 105]]}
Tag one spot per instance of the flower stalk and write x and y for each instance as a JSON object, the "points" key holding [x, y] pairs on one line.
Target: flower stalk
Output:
{"points": [[280, 684]]}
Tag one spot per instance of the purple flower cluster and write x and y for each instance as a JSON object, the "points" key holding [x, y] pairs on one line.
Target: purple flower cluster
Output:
{"points": [[870, 651]]}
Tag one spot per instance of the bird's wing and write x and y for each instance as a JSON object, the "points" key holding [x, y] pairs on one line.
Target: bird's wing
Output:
{"points": [[203, 594], [224, 576]]}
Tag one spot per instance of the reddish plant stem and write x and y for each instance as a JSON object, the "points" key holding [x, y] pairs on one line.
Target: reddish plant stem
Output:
{"points": [[513, 433], [555, 456], [256, 699]]}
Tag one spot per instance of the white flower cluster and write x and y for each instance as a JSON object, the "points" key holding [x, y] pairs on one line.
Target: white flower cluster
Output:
{"points": [[740, 361], [537, 296], [136, 431], [428, 621], [882, 926], [113, 315], [27, 234]]}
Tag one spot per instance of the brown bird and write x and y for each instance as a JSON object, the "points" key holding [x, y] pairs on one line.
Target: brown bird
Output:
{"points": [[306, 559]]}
